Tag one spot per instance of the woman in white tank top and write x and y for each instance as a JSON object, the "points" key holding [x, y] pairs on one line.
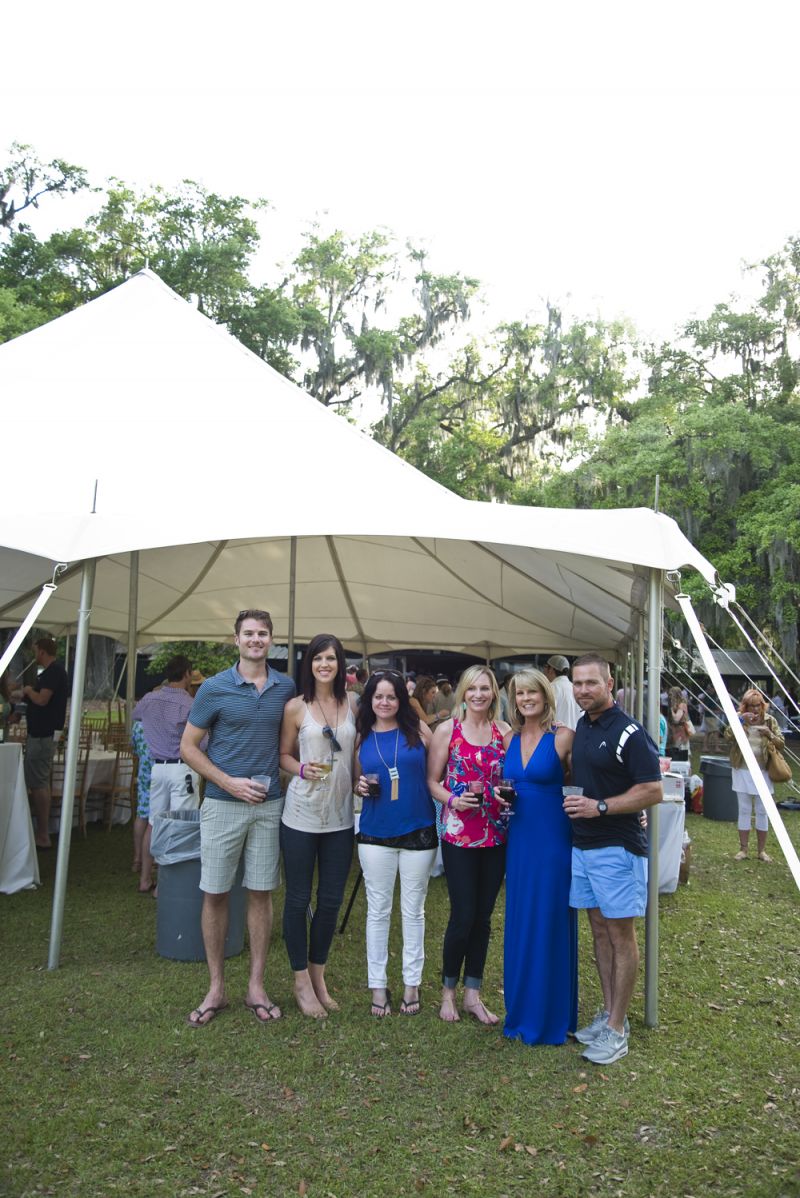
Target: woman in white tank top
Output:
{"points": [[317, 744]]}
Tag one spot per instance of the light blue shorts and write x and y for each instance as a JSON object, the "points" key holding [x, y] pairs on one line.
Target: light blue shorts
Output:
{"points": [[612, 879]]}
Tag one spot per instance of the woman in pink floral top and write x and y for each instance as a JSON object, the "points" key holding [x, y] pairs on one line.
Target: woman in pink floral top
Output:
{"points": [[462, 760]]}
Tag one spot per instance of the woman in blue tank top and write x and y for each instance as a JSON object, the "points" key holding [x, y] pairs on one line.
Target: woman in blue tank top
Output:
{"points": [[397, 832]]}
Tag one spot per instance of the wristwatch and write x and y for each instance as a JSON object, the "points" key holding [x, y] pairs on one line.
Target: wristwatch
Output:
{"points": [[602, 807]]}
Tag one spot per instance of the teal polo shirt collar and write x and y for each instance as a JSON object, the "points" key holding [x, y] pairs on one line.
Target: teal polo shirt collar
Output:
{"points": [[238, 680]]}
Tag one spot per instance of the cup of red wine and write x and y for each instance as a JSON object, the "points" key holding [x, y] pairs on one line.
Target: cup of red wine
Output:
{"points": [[475, 788], [373, 786]]}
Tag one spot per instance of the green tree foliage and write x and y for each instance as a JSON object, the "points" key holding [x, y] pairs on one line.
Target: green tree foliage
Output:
{"points": [[206, 656], [25, 180], [495, 423], [368, 310], [720, 426], [201, 244]]}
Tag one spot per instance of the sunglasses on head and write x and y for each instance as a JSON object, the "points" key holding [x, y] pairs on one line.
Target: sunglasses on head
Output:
{"points": [[387, 674], [327, 732]]}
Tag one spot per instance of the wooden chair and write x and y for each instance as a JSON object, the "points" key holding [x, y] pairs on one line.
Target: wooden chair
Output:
{"points": [[116, 736], [57, 782], [92, 733], [119, 790]]}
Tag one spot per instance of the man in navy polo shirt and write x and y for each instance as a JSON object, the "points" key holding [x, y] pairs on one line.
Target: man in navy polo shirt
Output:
{"points": [[241, 710], [616, 764]]}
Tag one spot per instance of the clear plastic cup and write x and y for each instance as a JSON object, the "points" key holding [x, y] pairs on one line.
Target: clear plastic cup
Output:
{"points": [[262, 780]]}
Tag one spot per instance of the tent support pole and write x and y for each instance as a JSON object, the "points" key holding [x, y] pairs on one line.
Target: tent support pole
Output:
{"points": [[654, 618], [628, 684], [66, 652], [292, 592], [639, 713], [133, 620], [71, 762]]}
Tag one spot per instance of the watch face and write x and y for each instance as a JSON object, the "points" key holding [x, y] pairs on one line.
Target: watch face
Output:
{"points": [[602, 806]]}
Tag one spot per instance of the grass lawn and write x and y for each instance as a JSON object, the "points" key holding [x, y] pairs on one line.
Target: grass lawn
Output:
{"points": [[107, 1091]]}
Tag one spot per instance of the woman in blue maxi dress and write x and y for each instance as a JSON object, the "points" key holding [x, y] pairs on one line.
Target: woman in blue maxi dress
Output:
{"points": [[541, 929]]}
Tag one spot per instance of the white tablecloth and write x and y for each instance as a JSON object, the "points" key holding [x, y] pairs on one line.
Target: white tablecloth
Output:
{"points": [[19, 868], [100, 769], [671, 819]]}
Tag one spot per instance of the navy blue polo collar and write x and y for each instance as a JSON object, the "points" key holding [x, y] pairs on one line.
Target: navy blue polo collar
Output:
{"points": [[606, 718]]}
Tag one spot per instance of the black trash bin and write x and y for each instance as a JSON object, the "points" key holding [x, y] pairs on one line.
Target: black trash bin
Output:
{"points": [[175, 847], [719, 797]]}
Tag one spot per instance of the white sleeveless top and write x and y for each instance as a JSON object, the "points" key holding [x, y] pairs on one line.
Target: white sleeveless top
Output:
{"points": [[323, 806]]}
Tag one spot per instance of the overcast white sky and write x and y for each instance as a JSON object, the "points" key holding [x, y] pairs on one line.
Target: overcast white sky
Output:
{"points": [[627, 155]]}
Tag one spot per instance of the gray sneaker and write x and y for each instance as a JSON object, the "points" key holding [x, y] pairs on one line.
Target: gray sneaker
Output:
{"points": [[585, 1035], [607, 1048]]}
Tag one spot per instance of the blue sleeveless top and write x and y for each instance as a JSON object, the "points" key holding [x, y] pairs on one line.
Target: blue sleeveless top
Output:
{"points": [[413, 808]]}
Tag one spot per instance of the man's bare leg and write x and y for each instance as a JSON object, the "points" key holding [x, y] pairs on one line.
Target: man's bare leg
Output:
{"points": [[214, 923], [625, 951], [603, 954], [40, 801], [146, 874], [259, 929], [139, 828]]}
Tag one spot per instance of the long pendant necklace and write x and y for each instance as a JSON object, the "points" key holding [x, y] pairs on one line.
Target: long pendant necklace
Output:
{"points": [[392, 770], [326, 728]]}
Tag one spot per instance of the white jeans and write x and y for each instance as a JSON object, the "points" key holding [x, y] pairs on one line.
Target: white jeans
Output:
{"points": [[746, 802], [381, 866], [169, 790]]}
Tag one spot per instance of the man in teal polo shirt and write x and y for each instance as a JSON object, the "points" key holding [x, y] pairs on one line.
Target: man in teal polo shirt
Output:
{"points": [[241, 711]]}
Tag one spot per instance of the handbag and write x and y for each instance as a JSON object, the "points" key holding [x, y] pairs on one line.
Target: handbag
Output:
{"points": [[778, 768]]}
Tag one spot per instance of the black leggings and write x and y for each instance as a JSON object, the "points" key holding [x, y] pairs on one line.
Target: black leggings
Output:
{"points": [[332, 852], [474, 878]]}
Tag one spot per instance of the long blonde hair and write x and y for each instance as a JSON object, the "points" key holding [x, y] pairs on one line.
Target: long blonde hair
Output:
{"points": [[533, 680], [470, 676]]}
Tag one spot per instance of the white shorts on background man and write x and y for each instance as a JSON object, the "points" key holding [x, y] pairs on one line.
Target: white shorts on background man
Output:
{"points": [[173, 787]]}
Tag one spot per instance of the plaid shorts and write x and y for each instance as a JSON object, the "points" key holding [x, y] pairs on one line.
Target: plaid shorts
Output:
{"points": [[230, 828]]}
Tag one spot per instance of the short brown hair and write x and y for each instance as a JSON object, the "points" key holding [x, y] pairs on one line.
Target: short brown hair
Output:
{"points": [[47, 645], [253, 613], [177, 668], [593, 659]]}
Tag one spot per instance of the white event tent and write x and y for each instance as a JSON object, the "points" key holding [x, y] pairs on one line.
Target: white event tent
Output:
{"points": [[178, 478], [190, 440]]}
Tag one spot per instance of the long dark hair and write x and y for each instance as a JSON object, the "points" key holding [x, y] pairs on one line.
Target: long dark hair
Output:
{"points": [[323, 640], [407, 718]]}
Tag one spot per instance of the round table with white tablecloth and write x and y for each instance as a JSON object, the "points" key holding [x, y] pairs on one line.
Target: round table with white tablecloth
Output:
{"points": [[19, 868]]}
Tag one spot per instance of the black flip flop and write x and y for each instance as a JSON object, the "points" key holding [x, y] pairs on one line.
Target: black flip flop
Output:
{"points": [[201, 1011]]}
